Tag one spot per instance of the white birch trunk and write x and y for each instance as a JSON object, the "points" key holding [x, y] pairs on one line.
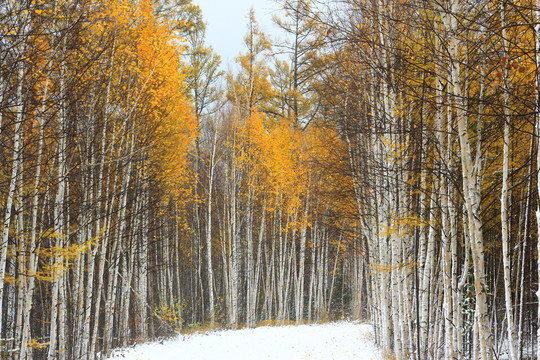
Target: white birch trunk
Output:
{"points": [[250, 266], [299, 303], [209, 269], [142, 268], [21, 257], [511, 329], [426, 283], [26, 352], [17, 153], [58, 311], [471, 186], [537, 113]]}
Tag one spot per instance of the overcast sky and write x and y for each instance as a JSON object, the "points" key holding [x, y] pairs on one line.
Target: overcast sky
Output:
{"points": [[227, 24]]}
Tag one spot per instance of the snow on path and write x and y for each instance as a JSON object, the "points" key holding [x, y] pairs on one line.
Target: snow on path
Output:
{"points": [[339, 341]]}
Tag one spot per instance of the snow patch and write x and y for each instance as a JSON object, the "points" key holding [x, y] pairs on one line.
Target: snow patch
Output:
{"points": [[343, 341]]}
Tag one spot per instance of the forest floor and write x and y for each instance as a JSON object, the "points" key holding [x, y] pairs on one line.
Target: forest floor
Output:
{"points": [[342, 340]]}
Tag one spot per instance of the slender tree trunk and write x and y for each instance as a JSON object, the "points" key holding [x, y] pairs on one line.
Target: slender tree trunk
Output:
{"points": [[210, 271], [511, 329], [26, 352], [250, 261], [522, 265], [537, 114], [471, 187], [16, 163], [142, 269], [301, 266], [58, 310]]}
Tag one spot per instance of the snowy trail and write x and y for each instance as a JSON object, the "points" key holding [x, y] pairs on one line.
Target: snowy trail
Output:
{"points": [[339, 341]]}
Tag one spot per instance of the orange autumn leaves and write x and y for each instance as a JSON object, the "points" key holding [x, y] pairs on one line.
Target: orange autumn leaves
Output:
{"points": [[274, 159], [150, 82], [287, 163]]}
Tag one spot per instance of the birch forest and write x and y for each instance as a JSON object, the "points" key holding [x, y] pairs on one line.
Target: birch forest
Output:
{"points": [[377, 162]]}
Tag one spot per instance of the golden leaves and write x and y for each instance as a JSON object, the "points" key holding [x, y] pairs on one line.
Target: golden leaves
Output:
{"points": [[35, 344]]}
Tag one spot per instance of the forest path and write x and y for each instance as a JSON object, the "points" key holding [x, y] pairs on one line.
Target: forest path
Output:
{"points": [[343, 341]]}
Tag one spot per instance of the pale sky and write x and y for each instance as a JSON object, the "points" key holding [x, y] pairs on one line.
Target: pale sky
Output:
{"points": [[227, 24]]}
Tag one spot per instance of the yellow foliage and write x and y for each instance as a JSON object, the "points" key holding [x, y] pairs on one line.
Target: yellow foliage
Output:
{"points": [[9, 279], [35, 344], [170, 314]]}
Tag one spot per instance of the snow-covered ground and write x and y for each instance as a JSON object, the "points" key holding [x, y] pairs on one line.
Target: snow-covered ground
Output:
{"points": [[341, 341]]}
